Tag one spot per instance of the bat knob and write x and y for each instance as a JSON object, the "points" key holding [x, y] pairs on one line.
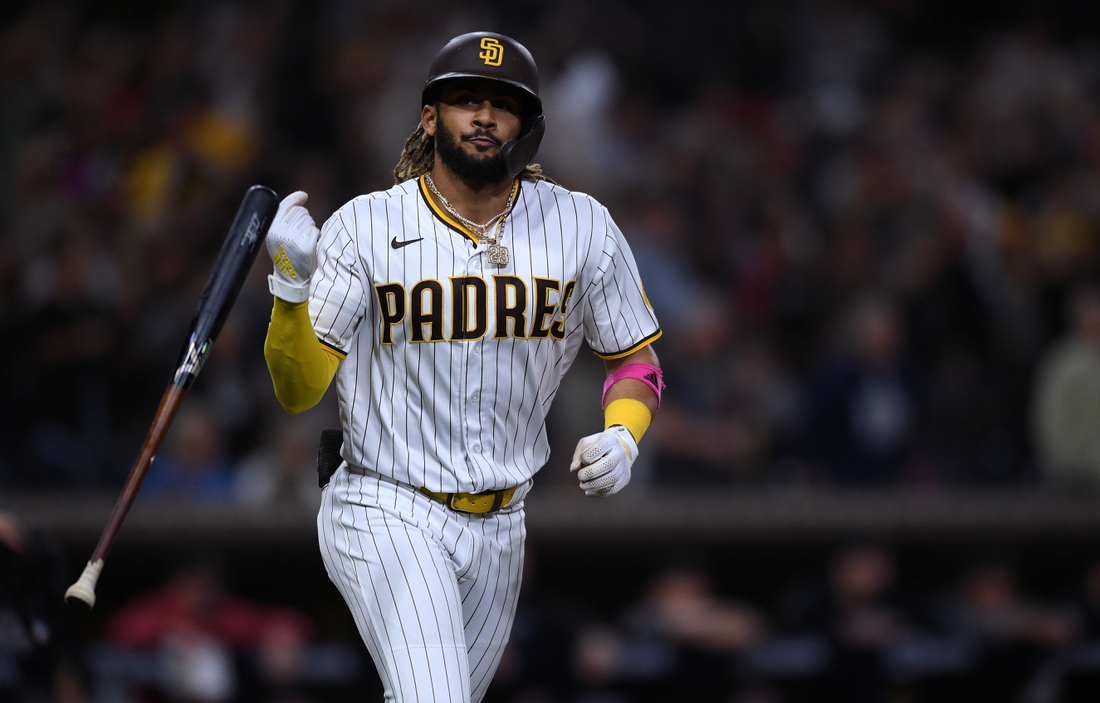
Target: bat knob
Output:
{"points": [[81, 595]]}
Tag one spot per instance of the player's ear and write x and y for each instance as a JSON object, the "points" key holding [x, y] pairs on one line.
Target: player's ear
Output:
{"points": [[429, 114]]}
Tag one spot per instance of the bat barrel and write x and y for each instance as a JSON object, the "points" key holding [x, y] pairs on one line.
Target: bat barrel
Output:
{"points": [[239, 250]]}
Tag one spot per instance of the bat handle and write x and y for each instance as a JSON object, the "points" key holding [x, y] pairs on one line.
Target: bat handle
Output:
{"points": [[82, 593]]}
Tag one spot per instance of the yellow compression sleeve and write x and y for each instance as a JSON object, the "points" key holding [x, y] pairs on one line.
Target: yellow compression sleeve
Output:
{"points": [[301, 367], [631, 414]]}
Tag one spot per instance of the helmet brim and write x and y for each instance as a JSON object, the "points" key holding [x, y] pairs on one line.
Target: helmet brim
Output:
{"points": [[532, 103]]}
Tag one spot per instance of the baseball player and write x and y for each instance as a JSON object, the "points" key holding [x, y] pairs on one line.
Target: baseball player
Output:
{"points": [[448, 308]]}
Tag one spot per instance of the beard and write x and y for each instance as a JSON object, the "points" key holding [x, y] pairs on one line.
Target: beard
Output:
{"points": [[485, 169]]}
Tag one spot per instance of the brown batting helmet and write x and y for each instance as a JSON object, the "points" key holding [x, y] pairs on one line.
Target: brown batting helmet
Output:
{"points": [[498, 58]]}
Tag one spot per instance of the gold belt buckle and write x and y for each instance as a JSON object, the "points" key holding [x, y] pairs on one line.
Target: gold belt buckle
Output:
{"points": [[475, 503]]}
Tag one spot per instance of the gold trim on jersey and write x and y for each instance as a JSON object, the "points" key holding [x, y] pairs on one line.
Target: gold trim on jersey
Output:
{"points": [[620, 354], [452, 222], [335, 351], [644, 296]]}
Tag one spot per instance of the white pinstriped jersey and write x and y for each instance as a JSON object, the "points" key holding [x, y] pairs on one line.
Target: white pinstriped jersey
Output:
{"points": [[452, 362]]}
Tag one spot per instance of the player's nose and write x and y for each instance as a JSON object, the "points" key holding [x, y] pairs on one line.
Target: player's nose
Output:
{"points": [[485, 114]]}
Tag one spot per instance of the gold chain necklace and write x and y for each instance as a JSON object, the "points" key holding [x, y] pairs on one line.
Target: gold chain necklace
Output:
{"points": [[497, 252]]}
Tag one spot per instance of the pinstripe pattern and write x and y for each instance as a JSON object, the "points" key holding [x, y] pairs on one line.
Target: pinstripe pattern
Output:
{"points": [[467, 415], [433, 591]]}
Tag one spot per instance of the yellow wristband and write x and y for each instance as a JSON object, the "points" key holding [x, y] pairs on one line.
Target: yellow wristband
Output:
{"points": [[631, 414]]}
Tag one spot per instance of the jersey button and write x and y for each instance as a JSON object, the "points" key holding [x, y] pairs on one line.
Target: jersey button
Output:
{"points": [[475, 447], [475, 397]]}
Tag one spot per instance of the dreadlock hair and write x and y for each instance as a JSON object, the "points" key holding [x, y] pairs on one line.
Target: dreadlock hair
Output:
{"points": [[418, 156]]}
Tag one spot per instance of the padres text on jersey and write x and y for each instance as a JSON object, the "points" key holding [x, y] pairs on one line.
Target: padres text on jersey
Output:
{"points": [[407, 293]]}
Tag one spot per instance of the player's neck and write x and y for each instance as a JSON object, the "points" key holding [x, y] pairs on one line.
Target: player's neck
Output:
{"points": [[475, 200]]}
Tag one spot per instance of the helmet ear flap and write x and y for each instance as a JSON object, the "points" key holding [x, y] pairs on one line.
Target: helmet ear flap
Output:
{"points": [[518, 153]]}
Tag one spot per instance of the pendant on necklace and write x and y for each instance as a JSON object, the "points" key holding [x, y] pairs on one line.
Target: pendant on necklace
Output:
{"points": [[497, 253]]}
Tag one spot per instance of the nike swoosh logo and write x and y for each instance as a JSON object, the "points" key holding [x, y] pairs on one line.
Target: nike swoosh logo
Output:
{"points": [[397, 245]]}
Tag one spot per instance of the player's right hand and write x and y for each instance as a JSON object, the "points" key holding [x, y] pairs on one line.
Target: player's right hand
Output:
{"points": [[292, 244]]}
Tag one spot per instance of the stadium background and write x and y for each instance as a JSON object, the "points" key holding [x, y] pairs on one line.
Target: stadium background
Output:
{"points": [[861, 224]]}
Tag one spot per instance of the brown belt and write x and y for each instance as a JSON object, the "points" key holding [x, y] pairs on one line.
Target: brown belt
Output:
{"points": [[477, 503]]}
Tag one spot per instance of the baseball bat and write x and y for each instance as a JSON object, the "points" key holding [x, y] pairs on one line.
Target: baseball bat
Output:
{"points": [[239, 250]]}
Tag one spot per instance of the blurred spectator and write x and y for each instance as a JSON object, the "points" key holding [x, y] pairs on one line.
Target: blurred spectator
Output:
{"points": [[1073, 674], [213, 644], [194, 462], [680, 605], [865, 410], [729, 401], [990, 604], [861, 609], [585, 150], [69, 297], [716, 426], [1089, 603], [1017, 635], [679, 641], [283, 470], [1066, 405], [38, 649]]}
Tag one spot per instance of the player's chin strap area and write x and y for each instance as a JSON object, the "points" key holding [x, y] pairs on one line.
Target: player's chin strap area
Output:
{"points": [[517, 153]]}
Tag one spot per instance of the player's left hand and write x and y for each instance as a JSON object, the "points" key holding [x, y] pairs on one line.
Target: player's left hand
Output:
{"points": [[602, 461]]}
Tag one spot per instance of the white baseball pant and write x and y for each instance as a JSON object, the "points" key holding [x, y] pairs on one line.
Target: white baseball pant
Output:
{"points": [[432, 591]]}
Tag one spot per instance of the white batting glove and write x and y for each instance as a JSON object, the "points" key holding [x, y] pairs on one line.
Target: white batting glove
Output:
{"points": [[292, 244], [602, 461]]}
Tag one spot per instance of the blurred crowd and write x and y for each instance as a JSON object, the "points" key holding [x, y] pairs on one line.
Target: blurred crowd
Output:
{"points": [[873, 249], [855, 629], [870, 235], [857, 624]]}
